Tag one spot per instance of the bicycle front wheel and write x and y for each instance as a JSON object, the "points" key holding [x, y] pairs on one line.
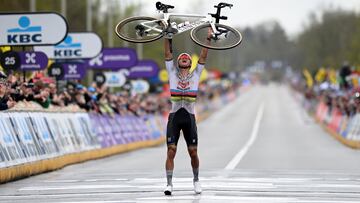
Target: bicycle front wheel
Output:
{"points": [[140, 29], [229, 37]]}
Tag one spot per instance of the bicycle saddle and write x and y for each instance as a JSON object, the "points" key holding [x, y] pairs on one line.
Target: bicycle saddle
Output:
{"points": [[163, 7]]}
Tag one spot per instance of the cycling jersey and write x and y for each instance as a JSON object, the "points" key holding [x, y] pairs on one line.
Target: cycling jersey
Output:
{"points": [[183, 90]]}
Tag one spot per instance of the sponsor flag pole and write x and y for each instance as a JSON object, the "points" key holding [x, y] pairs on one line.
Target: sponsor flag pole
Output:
{"points": [[24, 72], [32, 5]]}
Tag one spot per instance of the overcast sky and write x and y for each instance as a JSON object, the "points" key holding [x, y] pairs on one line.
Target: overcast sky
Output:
{"points": [[291, 14]]}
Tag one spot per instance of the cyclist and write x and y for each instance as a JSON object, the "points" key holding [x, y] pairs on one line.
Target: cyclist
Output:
{"points": [[183, 89]]}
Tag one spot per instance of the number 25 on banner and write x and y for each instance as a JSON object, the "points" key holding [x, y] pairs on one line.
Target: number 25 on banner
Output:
{"points": [[10, 60]]}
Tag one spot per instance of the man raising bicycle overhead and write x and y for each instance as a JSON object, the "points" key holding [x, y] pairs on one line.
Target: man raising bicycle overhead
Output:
{"points": [[183, 88]]}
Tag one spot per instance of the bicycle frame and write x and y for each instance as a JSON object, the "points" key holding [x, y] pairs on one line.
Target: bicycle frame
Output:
{"points": [[166, 21]]}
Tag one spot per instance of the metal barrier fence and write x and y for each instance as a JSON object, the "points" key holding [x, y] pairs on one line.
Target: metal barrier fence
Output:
{"points": [[27, 137], [344, 128]]}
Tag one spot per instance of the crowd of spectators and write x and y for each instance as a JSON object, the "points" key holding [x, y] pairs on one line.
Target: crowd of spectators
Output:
{"points": [[43, 91], [341, 94]]}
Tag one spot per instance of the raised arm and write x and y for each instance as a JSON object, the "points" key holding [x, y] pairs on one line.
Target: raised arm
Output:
{"points": [[204, 51], [203, 54], [168, 49]]}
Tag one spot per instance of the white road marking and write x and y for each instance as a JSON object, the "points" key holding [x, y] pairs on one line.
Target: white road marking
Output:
{"points": [[86, 180], [235, 161], [212, 197], [75, 187], [231, 189], [61, 181]]}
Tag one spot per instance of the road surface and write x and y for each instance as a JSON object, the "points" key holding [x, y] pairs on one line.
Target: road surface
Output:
{"points": [[260, 148]]}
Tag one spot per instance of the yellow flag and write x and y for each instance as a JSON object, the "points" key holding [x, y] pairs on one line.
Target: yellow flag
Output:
{"points": [[5, 48], [194, 61], [332, 76], [204, 75], [308, 77], [320, 75], [355, 81], [163, 75], [49, 63]]}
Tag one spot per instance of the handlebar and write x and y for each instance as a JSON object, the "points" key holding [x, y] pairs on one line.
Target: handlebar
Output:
{"points": [[223, 5], [217, 15]]}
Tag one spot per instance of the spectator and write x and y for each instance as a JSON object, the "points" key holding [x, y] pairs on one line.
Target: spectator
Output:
{"points": [[6, 102], [43, 98], [55, 98]]}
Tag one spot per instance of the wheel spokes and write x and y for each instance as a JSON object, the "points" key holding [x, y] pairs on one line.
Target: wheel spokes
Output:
{"points": [[140, 29], [222, 38]]}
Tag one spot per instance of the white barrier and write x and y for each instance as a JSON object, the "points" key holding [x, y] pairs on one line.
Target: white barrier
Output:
{"points": [[33, 136], [28, 137]]}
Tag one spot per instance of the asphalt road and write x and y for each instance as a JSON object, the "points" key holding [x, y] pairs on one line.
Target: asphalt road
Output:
{"points": [[260, 148]]}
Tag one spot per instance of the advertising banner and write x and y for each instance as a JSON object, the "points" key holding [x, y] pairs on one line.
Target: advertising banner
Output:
{"points": [[116, 79], [144, 69], [108, 133], [54, 130], [27, 137], [56, 70], [10, 151], [64, 135], [28, 140], [88, 130], [32, 29], [76, 122], [42, 132], [114, 59], [73, 71], [75, 46], [10, 60], [99, 78], [100, 130], [140, 86], [115, 129], [33, 60]]}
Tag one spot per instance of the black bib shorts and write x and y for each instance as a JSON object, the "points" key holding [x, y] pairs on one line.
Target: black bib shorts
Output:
{"points": [[185, 121]]}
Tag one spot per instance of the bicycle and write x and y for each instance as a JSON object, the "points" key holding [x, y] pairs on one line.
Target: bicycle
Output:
{"points": [[142, 29]]}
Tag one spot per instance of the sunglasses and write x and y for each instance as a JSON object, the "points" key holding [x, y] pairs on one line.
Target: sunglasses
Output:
{"points": [[182, 57]]}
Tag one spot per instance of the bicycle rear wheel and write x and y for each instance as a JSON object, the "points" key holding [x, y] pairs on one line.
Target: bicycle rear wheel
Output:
{"points": [[229, 38], [140, 29]]}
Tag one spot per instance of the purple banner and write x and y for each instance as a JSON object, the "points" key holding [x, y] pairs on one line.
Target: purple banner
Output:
{"points": [[74, 71], [114, 59], [94, 118], [108, 139], [144, 69], [114, 130], [33, 60]]}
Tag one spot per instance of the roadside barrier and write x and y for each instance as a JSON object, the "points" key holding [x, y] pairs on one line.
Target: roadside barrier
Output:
{"points": [[342, 127], [35, 142]]}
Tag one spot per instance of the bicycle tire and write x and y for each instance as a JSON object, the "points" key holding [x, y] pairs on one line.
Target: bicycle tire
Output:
{"points": [[134, 38], [235, 34]]}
